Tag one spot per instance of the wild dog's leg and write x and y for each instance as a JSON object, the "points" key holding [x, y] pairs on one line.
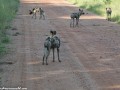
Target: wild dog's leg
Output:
{"points": [[35, 15], [73, 22], [46, 60], [107, 16], [43, 59], [77, 20], [53, 55], [110, 17], [58, 55], [70, 22], [43, 16], [40, 16], [47, 54]]}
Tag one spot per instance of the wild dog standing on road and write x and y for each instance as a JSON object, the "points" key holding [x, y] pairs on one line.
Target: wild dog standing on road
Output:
{"points": [[76, 16], [108, 12], [34, 12], [42, 13], [51, 42]]}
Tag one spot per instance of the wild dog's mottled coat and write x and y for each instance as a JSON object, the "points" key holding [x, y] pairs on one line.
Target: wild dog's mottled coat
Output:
{"points": [[34, 11], [52, 42], [42, 13], [108, 12], [76, 16]]}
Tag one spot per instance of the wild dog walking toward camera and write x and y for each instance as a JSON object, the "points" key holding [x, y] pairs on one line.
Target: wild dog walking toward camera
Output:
{"points": [[76, 16], [52, 42], [108, 12]]}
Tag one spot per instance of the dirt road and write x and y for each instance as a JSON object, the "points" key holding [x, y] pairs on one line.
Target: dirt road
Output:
{"points": [[90, 53]]}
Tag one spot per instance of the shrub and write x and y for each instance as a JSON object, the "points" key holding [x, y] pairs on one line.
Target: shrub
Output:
{"points": [[8, 9]]}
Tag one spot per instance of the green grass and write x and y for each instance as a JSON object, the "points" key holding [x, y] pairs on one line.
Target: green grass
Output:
{"points": [[2, 49], [116, 18], [98, 7], [8, 9]]}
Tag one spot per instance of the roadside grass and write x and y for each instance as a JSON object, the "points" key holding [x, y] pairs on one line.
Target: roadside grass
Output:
{"points": [[99, 7], [8, 9], [116, 18], [2, 48]]}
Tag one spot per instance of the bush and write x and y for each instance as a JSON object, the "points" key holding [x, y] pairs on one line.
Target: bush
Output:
{"points": [[107, 1], [5, 40], [8, 9], [2, 49], [116, 18], [98, 7]]}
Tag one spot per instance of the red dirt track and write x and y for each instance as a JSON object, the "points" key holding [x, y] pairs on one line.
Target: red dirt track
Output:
{"points": [[90, 53]]}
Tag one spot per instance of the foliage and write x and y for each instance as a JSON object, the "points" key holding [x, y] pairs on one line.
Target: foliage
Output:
{"points": [[2, 49], [8, 9], [107, 1], [98, 7], [116, 18]]}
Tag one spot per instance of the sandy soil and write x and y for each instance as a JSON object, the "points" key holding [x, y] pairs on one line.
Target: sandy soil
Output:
{"points": [[89, 53]]}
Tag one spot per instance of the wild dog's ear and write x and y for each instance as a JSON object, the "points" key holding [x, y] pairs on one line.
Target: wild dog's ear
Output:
{"points": [[82, 11], [55, 32], [33, 9], [79, 9], [51, 32], [40, 8]]}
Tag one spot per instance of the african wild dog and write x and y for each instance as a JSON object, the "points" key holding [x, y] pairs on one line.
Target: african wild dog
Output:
{"points": [[108, 12], [34, 12], [52, 42], [76, 16], [42, 13]]}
